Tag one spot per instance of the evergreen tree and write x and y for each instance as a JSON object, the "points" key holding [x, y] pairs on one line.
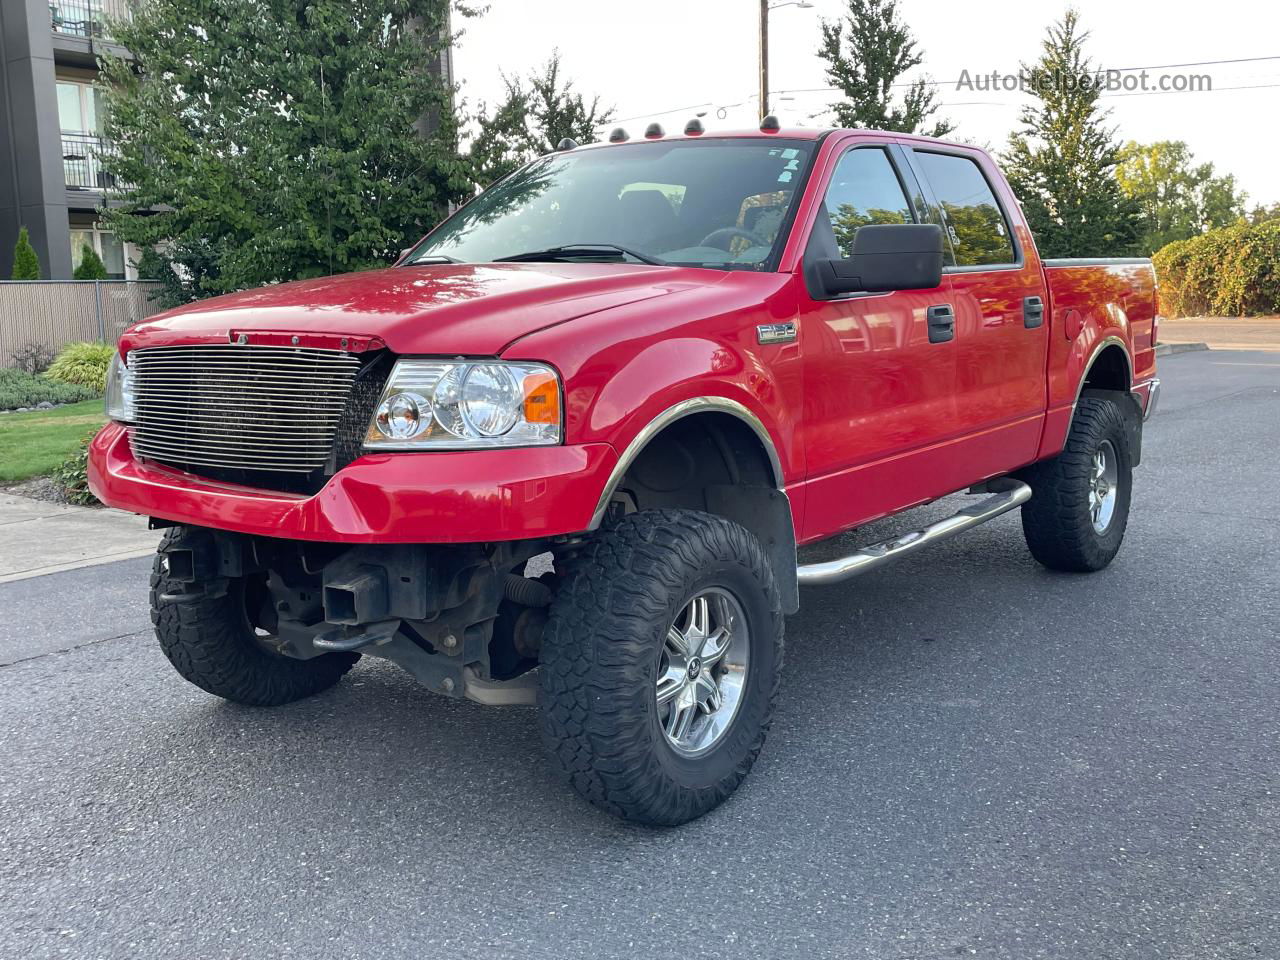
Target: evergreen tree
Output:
{"points": [[1062, 163], [274, 140], [866, 54], [1179, 198], [90, 266], [26, 265], [534, 115]]}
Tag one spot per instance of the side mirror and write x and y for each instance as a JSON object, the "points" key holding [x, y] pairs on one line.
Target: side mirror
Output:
{"points": [[886, 256]]}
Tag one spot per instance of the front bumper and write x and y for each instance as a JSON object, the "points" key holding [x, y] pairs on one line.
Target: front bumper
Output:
{"points": [[470, 496]]}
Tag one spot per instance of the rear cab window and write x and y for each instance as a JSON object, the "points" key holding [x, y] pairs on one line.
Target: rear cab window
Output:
{"points": [[975, 224]]}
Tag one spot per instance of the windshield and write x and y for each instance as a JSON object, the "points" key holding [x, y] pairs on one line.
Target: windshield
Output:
{"points": [[705, 203]]}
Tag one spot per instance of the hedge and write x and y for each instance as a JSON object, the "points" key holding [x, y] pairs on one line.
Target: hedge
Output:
{"points": [[1230, 272], [21, 389]]}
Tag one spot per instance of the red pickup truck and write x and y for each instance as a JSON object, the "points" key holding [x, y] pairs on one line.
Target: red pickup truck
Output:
{"points": [[563, 452]]}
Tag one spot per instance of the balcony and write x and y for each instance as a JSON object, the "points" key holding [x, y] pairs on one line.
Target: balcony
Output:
{"points": [[82, 162], [88, 19]]}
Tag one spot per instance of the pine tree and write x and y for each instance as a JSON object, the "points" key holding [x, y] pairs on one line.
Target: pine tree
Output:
{"points": [[534, 116], [274, 140], [26, 265], [1062, 163], [90, 267], [866, 53]]}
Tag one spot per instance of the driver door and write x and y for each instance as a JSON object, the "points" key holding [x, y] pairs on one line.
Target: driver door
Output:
{"points": [[879, 382]]}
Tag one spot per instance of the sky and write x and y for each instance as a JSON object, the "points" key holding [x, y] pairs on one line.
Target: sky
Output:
{"points": [[667, 60]]}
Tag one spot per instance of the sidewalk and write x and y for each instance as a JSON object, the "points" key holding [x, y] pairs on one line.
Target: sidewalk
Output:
{"points": [[40, 537], [1224, 333]]}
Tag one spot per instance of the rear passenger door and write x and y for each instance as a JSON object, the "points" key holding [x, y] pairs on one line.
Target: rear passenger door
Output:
{"points": [[997, 291]]}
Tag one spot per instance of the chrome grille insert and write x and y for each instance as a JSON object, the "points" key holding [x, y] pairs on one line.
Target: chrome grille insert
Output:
{"points": [[236, 407]]}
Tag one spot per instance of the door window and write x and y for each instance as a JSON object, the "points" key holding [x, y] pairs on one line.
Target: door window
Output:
{"points": [[978, 231], [864, 190]]}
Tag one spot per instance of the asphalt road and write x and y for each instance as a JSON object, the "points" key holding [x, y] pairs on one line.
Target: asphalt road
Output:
{"points": [[972, 757]]}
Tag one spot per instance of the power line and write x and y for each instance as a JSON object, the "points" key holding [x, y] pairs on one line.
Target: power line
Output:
{"points": [[942, 83]]}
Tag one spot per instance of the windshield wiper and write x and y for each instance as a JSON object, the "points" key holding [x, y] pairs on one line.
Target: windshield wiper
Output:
{"points": [[574, 251]]}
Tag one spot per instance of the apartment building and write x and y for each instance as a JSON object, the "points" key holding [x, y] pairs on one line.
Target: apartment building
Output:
{"points": [[51, 178]]}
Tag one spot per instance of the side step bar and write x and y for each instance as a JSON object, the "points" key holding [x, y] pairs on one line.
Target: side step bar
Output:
{"points": [[1009, 493]]}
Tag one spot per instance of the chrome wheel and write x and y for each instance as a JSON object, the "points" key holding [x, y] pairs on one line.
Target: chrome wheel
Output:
{"points": [[702, 671], [1103, 486]]}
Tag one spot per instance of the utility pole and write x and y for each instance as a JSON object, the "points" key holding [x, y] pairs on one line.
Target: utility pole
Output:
{"points": [[765, 7], [764, 58]]}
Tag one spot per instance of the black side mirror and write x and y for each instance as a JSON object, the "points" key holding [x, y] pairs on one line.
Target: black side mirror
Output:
{"points": [[886, 256]]}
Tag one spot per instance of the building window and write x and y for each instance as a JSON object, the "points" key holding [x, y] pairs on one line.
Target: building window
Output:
{"points": [[119, 258], [78, 107]]}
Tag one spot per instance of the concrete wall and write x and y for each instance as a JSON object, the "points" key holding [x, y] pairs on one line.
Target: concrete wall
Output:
{"points": [[32, 188]]}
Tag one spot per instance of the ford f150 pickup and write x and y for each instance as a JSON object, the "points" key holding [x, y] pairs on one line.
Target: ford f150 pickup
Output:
{"points": [[563, 452]]}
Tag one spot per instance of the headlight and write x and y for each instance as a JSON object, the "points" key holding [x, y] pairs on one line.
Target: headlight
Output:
{"points": [[441, 404], [119, 401]]}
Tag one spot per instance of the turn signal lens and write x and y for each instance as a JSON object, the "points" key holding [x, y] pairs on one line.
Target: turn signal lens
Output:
{"points": [[541, 398]]}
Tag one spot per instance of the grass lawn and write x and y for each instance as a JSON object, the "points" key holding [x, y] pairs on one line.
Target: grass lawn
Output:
{"points": [[34, 443]]}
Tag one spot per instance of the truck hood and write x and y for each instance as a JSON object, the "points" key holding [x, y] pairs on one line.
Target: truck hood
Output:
{"points": [[467, 309]]}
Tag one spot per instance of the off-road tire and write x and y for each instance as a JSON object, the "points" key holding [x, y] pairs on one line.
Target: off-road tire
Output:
{"points": [[204, 632], [1056, 520], [600, 653]]}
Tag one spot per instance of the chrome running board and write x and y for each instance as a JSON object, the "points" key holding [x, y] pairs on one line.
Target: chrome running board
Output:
{"points": [[1009, 493]]}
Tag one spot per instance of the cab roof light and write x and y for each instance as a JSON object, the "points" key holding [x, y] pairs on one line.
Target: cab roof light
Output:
{"points": [[770, 124], [618, 135], [693, 128], [568, 143], [653, 131]]}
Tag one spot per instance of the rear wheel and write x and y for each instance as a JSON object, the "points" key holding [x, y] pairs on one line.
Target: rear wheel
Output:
{"points": [[660, 664], [1079, 506]]}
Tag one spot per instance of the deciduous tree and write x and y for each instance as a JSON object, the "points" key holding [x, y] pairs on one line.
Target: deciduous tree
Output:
{"points": [[271, 140], [535, 114], [1179, 197]]}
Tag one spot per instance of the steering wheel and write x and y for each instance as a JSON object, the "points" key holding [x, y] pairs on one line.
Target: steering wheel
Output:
{"points": [[713, 238]]}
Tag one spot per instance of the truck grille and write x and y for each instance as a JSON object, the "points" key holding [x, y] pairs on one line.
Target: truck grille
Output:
{"points": [[222, 407]]}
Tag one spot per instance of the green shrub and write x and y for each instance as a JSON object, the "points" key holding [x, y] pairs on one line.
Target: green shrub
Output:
{"points": [[21, 389], [71, 479], [1233, 271], [26, 265], [83, 363], [91, 266]]}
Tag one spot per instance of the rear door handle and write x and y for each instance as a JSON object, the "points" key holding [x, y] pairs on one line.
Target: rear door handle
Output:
{"points": [[942, 323], [1032, 312]]}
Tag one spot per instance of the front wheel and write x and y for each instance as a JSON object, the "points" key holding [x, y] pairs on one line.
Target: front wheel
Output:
{"points": [[1079, 506], [660, 665]]}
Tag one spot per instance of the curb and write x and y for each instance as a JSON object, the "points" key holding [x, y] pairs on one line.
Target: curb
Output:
{"points": [[1173, 349]]}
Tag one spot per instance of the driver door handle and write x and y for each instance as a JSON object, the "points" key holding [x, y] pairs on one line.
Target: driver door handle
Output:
{"points": [[942, 323]]}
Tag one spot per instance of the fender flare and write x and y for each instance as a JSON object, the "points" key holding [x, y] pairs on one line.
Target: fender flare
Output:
{"points": [[669, 416], [765, 511]]}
